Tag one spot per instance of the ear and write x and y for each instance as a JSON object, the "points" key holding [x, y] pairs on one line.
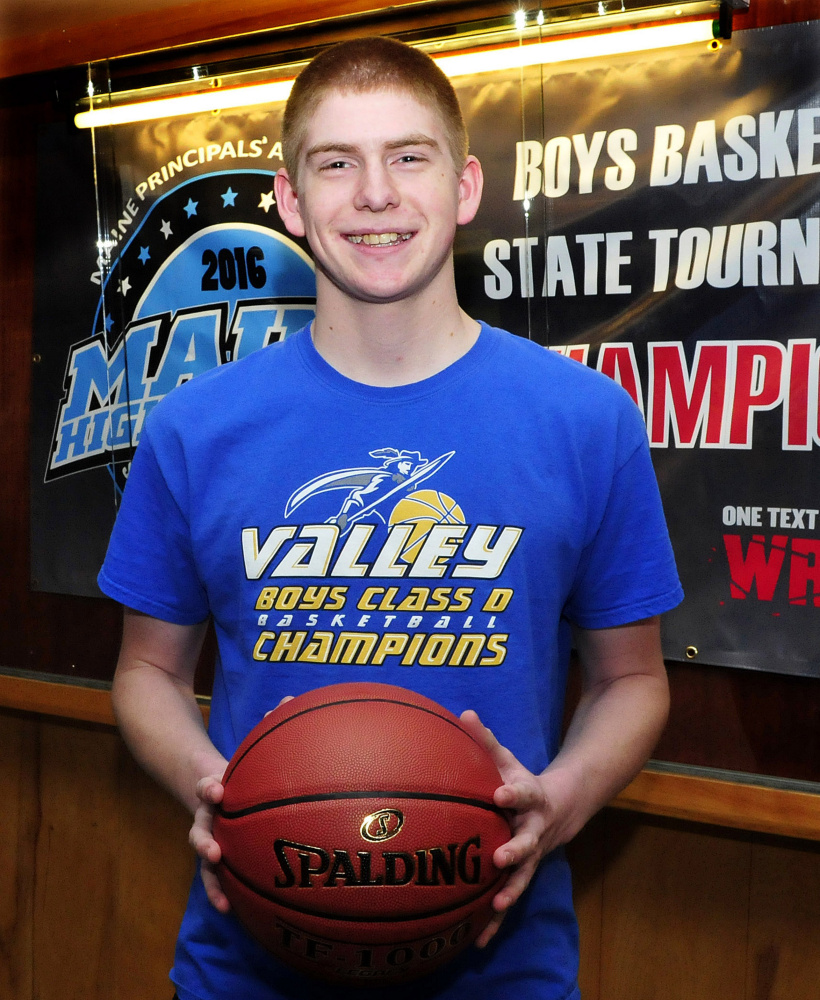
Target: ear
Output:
{"points": [[470, 186], [287, 202]]}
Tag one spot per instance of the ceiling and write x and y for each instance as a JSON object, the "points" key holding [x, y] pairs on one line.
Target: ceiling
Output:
{"points": [[38, 35], [24, 18]]}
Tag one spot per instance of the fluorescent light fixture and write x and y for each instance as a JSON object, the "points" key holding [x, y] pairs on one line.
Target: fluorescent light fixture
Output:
{"points": [[185, 104], [512, 57], [586, 47]]}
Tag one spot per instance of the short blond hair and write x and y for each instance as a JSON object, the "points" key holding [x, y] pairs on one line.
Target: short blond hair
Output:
{"points": [[364, 65]]}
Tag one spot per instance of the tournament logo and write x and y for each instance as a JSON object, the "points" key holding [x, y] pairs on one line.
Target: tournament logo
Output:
{"points": [[204, 280]]}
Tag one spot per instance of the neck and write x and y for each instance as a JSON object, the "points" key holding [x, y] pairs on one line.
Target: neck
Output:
{"points": [[388, 344]]}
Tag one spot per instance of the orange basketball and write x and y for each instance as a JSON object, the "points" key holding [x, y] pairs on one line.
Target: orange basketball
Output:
{"points": [[357, 832]]}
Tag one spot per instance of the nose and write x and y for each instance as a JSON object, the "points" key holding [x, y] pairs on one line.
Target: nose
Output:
{"points": [[376, 190]]}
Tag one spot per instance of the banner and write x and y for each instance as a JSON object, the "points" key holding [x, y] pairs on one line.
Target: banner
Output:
{"points": [[655, 216]]}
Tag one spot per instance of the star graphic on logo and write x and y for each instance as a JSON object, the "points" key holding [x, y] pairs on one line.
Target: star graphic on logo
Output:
{"points": [[266, 201], [124, 286], [144, 255], [190, 208], [229, 198], [109, 322], [165, 229]]}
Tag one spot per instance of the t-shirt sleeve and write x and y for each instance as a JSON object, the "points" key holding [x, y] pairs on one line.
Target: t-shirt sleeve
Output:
{"points": [[627, 570], [149, 565]]}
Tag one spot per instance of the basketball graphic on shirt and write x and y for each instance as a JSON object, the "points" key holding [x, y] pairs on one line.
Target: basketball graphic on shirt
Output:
{"points": [[424, 509]]}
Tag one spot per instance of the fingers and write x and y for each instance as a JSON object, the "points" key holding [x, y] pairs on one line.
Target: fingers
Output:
{"points": [[213, 890], [532, 818], [489, 931], [504, 760], [505, 898], [479, 731], [529, 840], [520, 795], [201, 839], [200, 836], [285, 700], [515, 885], [210, 790]]}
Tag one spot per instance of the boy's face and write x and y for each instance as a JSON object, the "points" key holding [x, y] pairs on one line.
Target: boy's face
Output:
{"points": [[379, 196]]}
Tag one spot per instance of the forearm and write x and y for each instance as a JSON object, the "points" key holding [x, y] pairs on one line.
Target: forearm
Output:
{"points": [[612, 734], [617, 723], [155, 705], [163, 728]]}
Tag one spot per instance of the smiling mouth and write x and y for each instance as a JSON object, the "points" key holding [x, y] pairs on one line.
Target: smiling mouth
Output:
{"points": [[380, 239]]}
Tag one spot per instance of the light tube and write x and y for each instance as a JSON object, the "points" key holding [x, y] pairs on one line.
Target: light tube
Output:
{"points": [[185, 104], [512, 57], [586, 47]]}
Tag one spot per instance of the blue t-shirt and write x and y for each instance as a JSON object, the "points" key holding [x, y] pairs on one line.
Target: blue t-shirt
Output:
{"points": [[442, 536]]}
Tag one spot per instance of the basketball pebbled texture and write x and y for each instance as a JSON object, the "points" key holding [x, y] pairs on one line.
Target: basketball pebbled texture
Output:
{"points": [[357, 831]]}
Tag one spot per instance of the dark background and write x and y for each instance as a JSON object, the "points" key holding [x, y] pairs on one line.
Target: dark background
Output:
{"points": [[750, 721]]}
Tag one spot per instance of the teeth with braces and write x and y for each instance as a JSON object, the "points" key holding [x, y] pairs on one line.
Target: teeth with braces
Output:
{"points": [[380, 239]]}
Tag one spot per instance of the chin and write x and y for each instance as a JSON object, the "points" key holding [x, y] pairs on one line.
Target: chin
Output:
{"points": [[377, 295]]}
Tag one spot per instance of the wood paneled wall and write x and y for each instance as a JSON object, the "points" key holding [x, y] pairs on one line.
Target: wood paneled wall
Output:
{"points": [[95, 868]]}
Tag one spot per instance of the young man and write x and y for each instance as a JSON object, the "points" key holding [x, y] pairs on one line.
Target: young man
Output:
{"points": [[290, 473]]}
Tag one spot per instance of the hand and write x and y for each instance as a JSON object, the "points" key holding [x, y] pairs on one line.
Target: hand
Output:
{"points": [[209, 790], [532, 820]]}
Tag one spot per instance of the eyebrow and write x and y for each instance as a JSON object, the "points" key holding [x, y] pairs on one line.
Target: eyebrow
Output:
{"points": [[412, 139]]}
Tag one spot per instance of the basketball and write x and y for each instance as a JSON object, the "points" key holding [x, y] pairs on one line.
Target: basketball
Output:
{"points": [[357, 832], [424, 509]]}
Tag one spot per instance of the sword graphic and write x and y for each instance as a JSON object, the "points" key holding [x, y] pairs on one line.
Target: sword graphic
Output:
{"points": [[347, 478]]}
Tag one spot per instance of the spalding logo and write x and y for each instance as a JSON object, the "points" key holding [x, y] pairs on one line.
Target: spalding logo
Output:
{"points": [[305, 866], [381, 825]]}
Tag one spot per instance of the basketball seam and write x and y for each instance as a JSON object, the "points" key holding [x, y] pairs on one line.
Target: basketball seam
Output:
{"points": [[358, 794], [333, 704], [357, 918]]}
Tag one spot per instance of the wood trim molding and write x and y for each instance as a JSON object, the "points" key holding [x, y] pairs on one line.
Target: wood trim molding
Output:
{"points": [[740, 806], [79, 702], [737, 805]]}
